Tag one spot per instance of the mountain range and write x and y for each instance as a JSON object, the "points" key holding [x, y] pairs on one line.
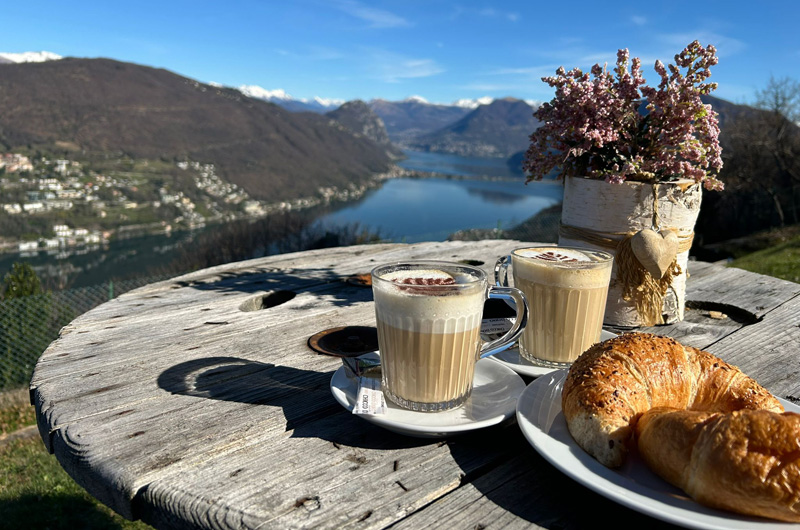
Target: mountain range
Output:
{"points": [[274, 146], [266, 142], [498, 129], [359, 119], [484, 127]]}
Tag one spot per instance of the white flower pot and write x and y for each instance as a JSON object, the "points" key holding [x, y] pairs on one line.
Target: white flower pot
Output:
{"points": [[601, 215]]}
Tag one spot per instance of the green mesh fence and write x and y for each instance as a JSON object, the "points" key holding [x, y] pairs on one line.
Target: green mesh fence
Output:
{"points": [[29, 324]]}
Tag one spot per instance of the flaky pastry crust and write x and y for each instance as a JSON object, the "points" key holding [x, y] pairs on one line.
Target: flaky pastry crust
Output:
{"points": [[615, 381]]}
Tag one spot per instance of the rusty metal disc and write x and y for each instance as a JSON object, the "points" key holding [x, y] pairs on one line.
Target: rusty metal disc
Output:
{"points": [[364, 280], [347, 341]]}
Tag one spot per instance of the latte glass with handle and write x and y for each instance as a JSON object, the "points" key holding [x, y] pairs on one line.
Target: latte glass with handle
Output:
{"points": [[566, 289], [428, 316]]}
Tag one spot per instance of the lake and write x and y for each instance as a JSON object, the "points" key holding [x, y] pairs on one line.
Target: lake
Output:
{"points": [[401, 210], [117, 259], [463, 166], [413, 210]]}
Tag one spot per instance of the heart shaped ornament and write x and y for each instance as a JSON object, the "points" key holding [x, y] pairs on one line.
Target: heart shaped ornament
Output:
{"points": [[655, 250]]}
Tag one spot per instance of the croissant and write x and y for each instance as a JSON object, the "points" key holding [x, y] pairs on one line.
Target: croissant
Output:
{"points": [[615, 381], [746, 461]]}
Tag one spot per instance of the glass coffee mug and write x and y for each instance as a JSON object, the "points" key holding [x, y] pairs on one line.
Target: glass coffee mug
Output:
{"points": [[429, 316], [566, 289]]}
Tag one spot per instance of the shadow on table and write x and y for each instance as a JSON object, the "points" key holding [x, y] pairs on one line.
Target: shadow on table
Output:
{"points": [[304, 395], [344, 290], [506, 469]]}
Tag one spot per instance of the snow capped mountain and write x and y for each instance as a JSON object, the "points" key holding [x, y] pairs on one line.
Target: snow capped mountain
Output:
{"points": [[255, 91], [462, 103], [487, 100], [28, 57], [416, 99], [322, 105], [280, 97], [318, 104], [327, 102], [473, 103]]}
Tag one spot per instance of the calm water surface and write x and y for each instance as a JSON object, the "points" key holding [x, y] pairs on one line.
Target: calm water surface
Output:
{"points": [[117, 259], [413, 210], [464, 166]]}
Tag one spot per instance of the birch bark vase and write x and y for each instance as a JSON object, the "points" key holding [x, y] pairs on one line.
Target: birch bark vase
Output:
{"points": [[605, 216]]}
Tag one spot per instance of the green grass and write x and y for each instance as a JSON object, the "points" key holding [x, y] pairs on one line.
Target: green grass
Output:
{"points": [[35, 492], [15, 411], [780, 261]]}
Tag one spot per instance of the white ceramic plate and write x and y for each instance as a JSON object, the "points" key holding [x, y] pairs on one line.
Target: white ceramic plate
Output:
{"points": [[493, 400], [512, 358], [633, 485]]}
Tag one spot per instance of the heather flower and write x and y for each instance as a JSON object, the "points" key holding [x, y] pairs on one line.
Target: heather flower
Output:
{"points": [[595, 125]]}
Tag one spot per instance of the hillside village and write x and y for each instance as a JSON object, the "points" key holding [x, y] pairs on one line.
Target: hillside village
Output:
{"points": [[86, 207]]}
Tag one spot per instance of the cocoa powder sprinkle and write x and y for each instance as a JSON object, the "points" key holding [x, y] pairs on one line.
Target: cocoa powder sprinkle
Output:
{"points": [[555, 256]]}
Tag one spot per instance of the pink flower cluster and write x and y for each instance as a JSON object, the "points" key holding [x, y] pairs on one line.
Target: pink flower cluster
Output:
{"points": [[614, 127]]}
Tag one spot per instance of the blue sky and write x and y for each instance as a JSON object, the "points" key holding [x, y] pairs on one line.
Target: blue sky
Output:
{"points": [[440, 50]]}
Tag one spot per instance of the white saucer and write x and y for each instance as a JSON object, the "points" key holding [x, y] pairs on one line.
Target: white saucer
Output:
{"points": [[512, 359], [493, 400]]}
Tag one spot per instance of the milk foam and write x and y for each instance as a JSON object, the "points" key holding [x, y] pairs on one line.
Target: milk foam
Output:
{"points": [[398, 304], [554, 254], [563, 267], [429, 274]]}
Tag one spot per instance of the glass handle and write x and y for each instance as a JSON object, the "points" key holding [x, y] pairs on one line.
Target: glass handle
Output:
{"points": [[501, 271], [509, 294]]}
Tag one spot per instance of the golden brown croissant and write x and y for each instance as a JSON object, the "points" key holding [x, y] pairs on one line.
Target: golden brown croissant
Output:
{"points": [[612, 383], [746, 461]]}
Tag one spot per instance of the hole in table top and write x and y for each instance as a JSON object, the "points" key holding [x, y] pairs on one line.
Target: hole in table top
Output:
{"points": [[722, 311], [266, 301]]}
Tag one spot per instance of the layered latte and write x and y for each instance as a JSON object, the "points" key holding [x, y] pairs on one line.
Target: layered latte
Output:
{"points": [[566, 290], [428, 324]]}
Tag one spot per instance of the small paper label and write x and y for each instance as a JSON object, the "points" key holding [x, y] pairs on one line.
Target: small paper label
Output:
{"points": [[369, 399], [494, 328]]}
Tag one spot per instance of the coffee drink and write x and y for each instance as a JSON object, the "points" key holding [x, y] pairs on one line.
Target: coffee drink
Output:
{"points": [[428, 330], [428, 317], [566, 290]]}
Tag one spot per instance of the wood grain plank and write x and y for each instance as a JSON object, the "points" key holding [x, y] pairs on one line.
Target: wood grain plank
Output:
{"points": [[525, 492], [769, 350], [363, 477], [751, 292]]}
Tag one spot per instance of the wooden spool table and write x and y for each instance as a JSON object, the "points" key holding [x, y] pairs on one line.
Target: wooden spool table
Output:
{"points": [[197, 402]]}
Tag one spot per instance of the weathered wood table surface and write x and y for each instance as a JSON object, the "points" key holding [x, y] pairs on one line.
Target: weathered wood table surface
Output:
{"points": [[197, 402]]}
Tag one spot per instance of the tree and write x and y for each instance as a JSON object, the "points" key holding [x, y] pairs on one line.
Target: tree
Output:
{"points": [[24, 324], [21, 281], [781, 96], [761, 172], [781, 100]]}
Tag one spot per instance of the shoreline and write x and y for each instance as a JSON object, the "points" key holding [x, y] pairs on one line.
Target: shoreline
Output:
{"points": [[327, 196]]}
